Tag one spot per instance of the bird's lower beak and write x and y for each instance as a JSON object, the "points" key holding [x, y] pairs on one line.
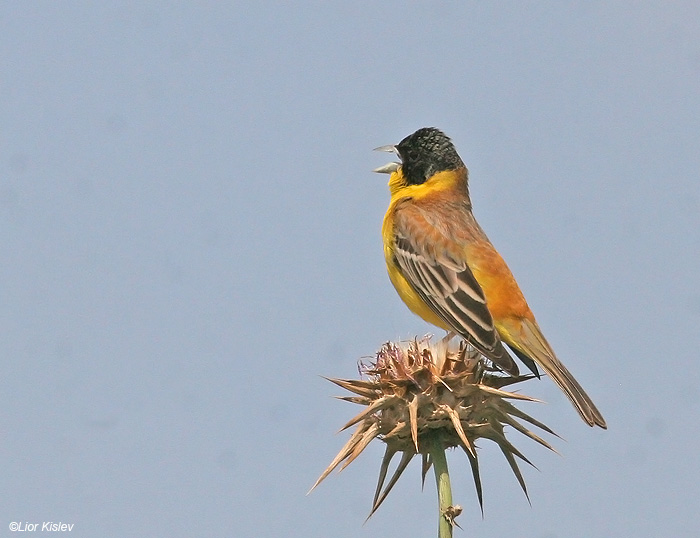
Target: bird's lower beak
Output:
{"points": [[389, 167]]}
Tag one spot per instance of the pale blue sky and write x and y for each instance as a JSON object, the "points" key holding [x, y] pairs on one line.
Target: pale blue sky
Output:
{"points": [[189, 230]]}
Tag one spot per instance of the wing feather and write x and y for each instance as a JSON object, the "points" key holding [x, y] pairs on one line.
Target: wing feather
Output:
{"points": [[453, 293]]}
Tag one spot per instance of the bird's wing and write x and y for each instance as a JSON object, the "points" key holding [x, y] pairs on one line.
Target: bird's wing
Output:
{"points": [[435, 267]]}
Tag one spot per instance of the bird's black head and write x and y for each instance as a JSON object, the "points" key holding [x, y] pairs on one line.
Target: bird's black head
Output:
{"points": [[426, 152]]}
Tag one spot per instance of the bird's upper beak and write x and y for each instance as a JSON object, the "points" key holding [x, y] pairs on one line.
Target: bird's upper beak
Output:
{"points": [[389, 167]]}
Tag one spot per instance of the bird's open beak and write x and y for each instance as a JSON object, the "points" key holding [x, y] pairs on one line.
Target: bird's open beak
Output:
{"points": [[389, 167]]}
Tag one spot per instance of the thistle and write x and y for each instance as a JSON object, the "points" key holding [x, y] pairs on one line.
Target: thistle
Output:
{"points": [[422, 398]]}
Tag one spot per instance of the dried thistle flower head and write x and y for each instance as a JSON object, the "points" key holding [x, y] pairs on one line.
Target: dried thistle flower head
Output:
{"points": [[419, 393]]}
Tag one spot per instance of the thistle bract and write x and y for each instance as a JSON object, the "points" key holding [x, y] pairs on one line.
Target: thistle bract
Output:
{"points": [[420, 393]]}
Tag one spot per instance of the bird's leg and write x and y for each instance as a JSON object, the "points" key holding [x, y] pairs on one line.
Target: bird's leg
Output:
{"points": [[449, 336]]}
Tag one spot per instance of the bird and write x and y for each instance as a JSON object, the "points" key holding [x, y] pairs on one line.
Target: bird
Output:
{"points": [[446, 270]]}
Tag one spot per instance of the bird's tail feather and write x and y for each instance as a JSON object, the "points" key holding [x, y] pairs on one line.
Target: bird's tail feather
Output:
{"points": [[533, 344]]}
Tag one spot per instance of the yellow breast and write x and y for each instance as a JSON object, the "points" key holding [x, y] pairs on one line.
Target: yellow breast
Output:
{"points": [[403, 288]]}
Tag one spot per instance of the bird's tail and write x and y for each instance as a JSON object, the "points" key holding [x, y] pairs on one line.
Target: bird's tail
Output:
{"points": [[533, 345]]}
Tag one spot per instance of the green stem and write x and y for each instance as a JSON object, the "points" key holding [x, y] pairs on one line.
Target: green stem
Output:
{"points": [[442, 480]]}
